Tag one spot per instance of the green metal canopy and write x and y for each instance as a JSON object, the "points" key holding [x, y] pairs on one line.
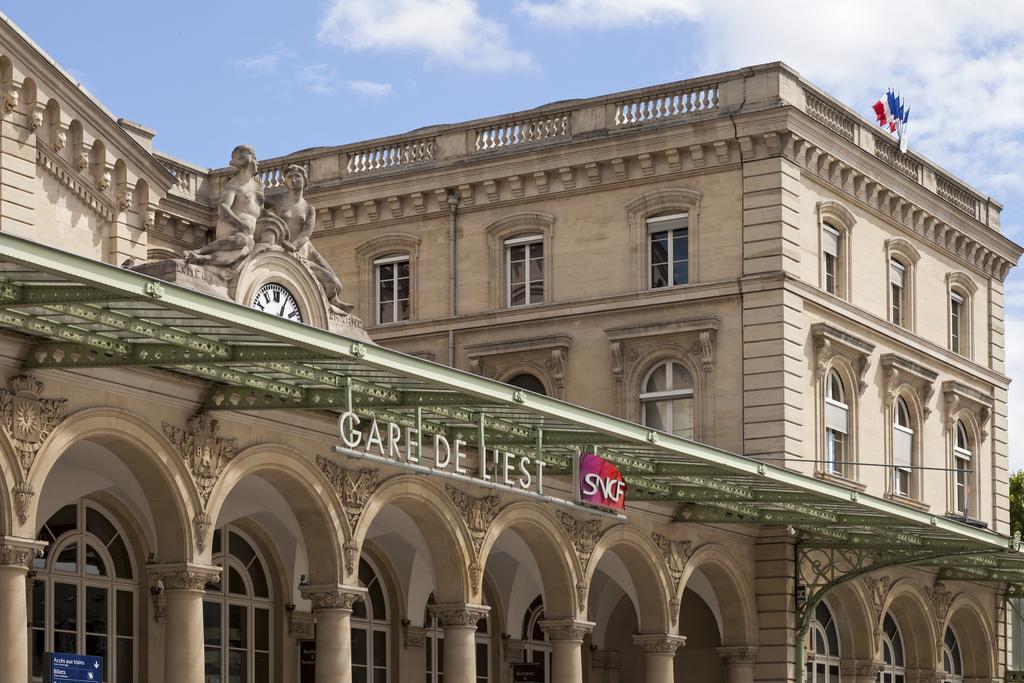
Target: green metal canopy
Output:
{"points": [[80, 313]]}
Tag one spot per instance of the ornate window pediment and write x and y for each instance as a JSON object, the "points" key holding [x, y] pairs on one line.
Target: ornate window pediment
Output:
{"points": [[543, 357], [958, 398], [900, 372], [830, 342]]}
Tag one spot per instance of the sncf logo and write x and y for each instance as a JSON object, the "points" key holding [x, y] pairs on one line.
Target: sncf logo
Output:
{"points": [[599, 483]]}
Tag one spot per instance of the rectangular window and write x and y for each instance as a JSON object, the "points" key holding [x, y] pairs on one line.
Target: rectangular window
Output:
{"points": [[962, 479], [524, 268], [956, 311], [836, 427], [392, 276], [830, 253], [897, 276], [668, 238], [902, 459]]}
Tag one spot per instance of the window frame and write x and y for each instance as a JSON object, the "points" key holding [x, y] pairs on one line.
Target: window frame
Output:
{"points": [[844, 467], [651, 229], [899, 471], [963, 478], [392, 259], [527, 241], [670, 395], [901, 252], [837, 261], [532, 648], [831, 661], [892, 672], [897, 294], [373, 624]]}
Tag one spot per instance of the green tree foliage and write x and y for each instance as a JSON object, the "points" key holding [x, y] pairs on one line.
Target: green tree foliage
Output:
{"points": [[1017, 502]]}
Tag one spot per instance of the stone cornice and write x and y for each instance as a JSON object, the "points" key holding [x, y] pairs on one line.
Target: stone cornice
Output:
{"points": [[53, 81], [81, 185], [560, 341]]}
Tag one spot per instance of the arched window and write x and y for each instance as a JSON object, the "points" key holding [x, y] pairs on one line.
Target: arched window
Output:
{"points": [[84, 593], [962, 469], [536, 648], [822, 647], [435, 647], [898, 310], [902, 448], [831, 260], [952, 664], [370, 629], [837, 425], [529, 382], [892, 652], [666, 400], [236, 613]]}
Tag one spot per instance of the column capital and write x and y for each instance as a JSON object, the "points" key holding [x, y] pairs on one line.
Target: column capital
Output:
{"points": [[333, 596], [861, 668], [659, 643], [459, 613], [738, 654], [566, 629], [178, 576], [18, 553]]}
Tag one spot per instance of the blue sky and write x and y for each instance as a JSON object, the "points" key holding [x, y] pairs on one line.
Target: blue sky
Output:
{"points": [[284, 76]]}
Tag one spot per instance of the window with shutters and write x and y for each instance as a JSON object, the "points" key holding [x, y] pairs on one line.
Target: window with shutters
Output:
{"points": [[901, 259], [831, 260], [961, 469], [669, 250], [960, 291], [902, 449], [837, 425]]}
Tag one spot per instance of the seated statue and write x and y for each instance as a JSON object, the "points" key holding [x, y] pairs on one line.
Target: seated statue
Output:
{"points": [[241, 202], [292, 230]]}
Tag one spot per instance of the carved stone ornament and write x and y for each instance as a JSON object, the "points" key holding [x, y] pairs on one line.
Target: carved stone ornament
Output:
{"points": [[125, 201], [19, 553], [659, 643], [830, 342], [191, 577], [608, 660], [878, 589], [11, 98], [703, 350], [478, 514], [60, 141], [35, 121], [584, 536], [901, 372], [23, 494], [104, 181], [333, 597], [738, 655], [351, 555], [566, 629], [957, 397], [353, 487], [82, 161], [676, 553], [616, 349], [941, 600], [459, 614], [205, 453], [202, 523], [861, 668], [581, 596], [27, 418], [301, 625], [414, 637]]}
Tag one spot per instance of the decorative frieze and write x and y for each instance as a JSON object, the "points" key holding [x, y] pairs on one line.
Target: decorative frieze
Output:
{"points": [[352, 486], [205, 452], [71, 178], [27, 417]]}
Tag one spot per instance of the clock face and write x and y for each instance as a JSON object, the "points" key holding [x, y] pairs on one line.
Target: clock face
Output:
{"points": [[277, 300]]}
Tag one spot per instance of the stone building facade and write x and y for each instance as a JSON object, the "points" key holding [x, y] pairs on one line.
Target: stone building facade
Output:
{"points": [[738, 260]]}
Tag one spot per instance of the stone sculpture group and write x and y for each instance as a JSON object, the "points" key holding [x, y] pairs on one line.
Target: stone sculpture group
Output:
{"points": [[250, 222]]}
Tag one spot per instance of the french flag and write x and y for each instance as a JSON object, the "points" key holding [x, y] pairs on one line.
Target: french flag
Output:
{"points": [[893, 114]]}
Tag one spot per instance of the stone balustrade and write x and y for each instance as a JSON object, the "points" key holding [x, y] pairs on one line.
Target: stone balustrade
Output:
{"points": [[271, 174], [665, 105], [186, 179], [610, 115], [520, 132], [392, 155]]}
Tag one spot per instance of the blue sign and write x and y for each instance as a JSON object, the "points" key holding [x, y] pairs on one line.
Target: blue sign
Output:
{"points": [[71, 668]]}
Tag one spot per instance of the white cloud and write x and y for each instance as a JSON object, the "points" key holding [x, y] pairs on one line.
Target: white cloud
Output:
{"points": [[449, 31], [608, 13], [319, 79], [1015, 369], [267, 61], [369, 88]]}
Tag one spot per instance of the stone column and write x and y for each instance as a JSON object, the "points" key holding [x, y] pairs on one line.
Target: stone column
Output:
{"points": [[659, 653], [16, 555], [332, 610], [861, 670], [566, 637], [739, 663], [459, 623], [605, 665], [184, 585]]}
